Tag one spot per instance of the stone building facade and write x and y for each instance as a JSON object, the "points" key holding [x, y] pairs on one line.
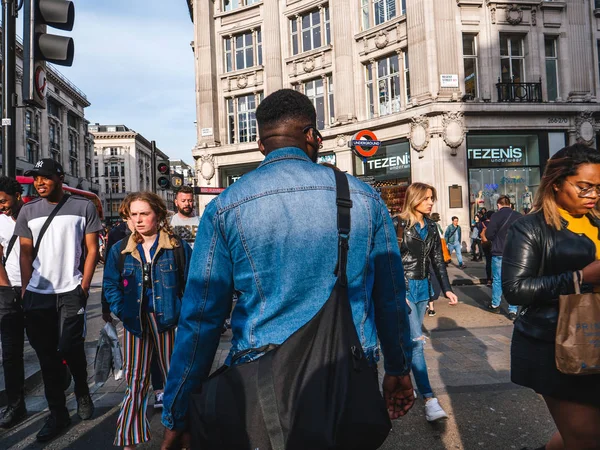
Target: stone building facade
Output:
{"points": [[471, 96], [123, 164], [58, 132]]}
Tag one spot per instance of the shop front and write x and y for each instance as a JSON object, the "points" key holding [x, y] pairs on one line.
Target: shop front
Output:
{"points": [[508, 164], [388, 171], [230, 174]]}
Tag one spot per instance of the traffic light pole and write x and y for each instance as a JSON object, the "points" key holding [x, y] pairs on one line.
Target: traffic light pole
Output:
{"points": [[9, 103], [153, 164]]}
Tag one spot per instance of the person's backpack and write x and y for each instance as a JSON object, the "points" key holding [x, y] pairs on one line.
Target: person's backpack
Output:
{"points": [[179, 255], [315, 391]]}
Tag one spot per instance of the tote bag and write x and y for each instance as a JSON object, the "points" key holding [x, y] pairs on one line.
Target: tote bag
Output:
{"points": [[578, 333]]}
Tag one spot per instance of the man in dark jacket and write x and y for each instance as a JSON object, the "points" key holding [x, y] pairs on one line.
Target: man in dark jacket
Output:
{"points": [[496, 233]]}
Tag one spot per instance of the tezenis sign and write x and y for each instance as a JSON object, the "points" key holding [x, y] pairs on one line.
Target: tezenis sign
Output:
{"points": [[496, 155]]}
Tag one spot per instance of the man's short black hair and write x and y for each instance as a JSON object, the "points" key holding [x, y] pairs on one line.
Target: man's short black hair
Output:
{"points": [[10, 186], [184, 190], [454, 217], [284, 105]]}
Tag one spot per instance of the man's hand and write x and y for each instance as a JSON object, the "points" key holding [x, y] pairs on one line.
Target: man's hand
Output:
{"points": [[107, 317], [452, 297], [398, 394], [86, 289], [176, 440]]}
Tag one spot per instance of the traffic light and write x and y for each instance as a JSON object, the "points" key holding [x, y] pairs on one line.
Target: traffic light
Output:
{"points": [[39, 46], [163, 175]]}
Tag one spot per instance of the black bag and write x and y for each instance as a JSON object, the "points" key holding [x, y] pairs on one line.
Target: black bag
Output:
{"points": [[315, 391]]}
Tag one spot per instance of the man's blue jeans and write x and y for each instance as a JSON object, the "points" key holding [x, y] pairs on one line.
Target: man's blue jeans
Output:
{"points": [[497, 284], [419, 367], [457, 247]]}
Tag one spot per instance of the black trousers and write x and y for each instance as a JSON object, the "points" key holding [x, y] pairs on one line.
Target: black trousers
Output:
{"points": [[12, 329], [55, 334]]}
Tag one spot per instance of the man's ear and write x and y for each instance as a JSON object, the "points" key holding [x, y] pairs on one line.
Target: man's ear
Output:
{"points": [[261, 147]]}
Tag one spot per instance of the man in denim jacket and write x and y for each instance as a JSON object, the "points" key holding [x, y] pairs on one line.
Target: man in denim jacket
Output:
{"points": [[272, 237]]}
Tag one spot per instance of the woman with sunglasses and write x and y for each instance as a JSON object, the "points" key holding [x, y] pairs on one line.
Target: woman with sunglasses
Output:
{"points": [[143, 284], [558, 240]]}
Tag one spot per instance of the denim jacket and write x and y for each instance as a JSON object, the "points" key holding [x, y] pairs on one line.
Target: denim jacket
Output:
{"points": [[124, 291], [272, 239]]}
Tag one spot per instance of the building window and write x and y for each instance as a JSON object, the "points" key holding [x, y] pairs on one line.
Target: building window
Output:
{"points": [[96, 169], [383, 86], [74, 167], [310, 30], [470, 65], [241, 118], [407, 95], [123, 188], [376, 12], [550, 45], [230, 5], [512, 59], [320, 93], [32, 152], [243, 51], [53, 109]]}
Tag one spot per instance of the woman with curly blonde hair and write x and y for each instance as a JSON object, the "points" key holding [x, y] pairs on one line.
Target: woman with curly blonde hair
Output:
{"points": [[143, 284]]}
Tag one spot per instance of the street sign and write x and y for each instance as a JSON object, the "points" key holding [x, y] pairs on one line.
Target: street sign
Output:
{"points": [[176, 180], [41, 82], [365, 143], [208, 191]]}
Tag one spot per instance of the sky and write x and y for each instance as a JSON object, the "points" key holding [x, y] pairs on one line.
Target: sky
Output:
{"points": [[134, 62]]}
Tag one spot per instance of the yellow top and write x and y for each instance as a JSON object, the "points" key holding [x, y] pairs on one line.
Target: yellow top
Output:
{"points": [[582, 225]]}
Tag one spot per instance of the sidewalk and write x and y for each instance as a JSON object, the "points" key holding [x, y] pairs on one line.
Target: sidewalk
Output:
{"points": [[468, 359]]}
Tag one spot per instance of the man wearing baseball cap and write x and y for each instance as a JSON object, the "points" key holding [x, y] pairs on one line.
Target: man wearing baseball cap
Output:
{"points": [[57, 266]]}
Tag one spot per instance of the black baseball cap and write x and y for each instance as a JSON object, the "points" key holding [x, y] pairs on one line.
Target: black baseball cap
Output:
{"points": [[46, 167]]}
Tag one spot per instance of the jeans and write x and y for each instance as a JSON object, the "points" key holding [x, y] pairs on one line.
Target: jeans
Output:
{"points": [[475, 245], [56, 334], [12, 328], [419, 367], [457, 247], [497, 284]]}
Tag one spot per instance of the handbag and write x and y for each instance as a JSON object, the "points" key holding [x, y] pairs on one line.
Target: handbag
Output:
{"points": [[445, 251], [314, 391], [578, 333]]}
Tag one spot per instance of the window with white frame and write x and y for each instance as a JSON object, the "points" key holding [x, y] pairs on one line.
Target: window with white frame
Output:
{"points": [[407, 95], [470, 65], [320, 93], [383, 86], [310, 30], [376, 12], [551, 49], [230, 5], [241, 118], [243, 51], [512, 58]]}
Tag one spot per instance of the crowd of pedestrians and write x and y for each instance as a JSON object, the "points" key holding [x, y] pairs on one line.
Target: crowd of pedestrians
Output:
{"points": [[280, 240]]}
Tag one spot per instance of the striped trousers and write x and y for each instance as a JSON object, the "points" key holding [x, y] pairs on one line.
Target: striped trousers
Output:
{"points": [[132, 425]]}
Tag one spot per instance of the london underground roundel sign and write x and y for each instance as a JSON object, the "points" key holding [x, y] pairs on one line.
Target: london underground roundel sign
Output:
{"points": [[365, 143]]}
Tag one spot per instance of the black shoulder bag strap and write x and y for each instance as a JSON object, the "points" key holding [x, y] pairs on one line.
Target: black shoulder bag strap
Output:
{"points": [[11, 244], [267, 396], [344, 203], [53, 214]]}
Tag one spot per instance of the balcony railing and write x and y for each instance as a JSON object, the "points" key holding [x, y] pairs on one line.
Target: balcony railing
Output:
{"points": [[519, 92]]}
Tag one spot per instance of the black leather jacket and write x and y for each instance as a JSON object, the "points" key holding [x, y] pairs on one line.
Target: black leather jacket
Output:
{"points": [[537, 267], [417, 254]]}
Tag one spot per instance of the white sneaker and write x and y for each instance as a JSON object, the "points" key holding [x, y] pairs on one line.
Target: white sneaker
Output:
{"points": [[433, 411], [158, 400]]}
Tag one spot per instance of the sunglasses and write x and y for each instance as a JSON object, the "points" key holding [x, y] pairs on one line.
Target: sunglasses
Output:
{"points": [[146, 274], [316, 133]]}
